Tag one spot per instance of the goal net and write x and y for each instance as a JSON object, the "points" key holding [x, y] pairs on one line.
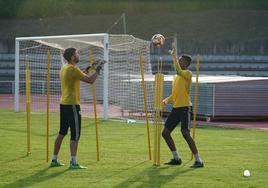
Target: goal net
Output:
{"points": [[119, 91]]}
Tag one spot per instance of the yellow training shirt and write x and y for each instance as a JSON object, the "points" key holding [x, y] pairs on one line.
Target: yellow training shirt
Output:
{"points": [[181, 86], [70, 77]]}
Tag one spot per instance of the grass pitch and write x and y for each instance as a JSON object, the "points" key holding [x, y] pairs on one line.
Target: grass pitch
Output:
{"points": [[124, 157]]}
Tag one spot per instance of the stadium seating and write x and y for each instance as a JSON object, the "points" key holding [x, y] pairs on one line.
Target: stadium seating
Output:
{"points": [[256, 66]]}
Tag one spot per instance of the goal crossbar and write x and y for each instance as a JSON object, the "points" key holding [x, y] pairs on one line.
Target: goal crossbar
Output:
{"points": [[105, 58]]}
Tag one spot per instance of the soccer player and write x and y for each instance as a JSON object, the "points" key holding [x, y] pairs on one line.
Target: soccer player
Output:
{"points": [[181, 111], [70, 114]]}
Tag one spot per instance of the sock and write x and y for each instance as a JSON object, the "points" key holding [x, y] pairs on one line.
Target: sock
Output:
{"points": [[197, 158], [175, 155], [73, 159], [55, 158]]}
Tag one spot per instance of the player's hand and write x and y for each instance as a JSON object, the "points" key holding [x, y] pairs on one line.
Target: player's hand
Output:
{"points": [[87, 69], [98, 69], [173, 52], [164, 102], [97, 66]]}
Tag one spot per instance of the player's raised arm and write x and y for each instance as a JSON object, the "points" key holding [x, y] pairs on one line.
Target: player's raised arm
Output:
{"points": [[181, 66], [90, 78], [91, 72]]}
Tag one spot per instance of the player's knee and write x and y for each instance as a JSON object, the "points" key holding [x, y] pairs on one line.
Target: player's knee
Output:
{"points": [[185, 133], [74, 138], [165, 133], [62, 134]]}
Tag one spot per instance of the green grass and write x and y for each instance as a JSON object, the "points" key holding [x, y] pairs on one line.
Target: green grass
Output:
{"points": [[124, 160]]}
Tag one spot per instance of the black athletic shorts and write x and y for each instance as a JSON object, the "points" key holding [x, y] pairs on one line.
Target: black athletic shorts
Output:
{"points": [[70, 116], [181, 115]]}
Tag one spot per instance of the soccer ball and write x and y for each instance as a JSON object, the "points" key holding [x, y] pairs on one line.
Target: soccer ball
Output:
{"points": [[158, 40]]}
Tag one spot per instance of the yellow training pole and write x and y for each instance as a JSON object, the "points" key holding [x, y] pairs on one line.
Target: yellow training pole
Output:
{"points": [[158, 137], [196, 93], [95, 110], [28, 110], [155, 135], [158, 96], [48, 101], [161, 89], [145, 106], [156, 101]]}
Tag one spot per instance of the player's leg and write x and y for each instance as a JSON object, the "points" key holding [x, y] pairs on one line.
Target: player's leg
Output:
{"points": [[64, 126], [185, 116], [57, 144], [170, 124], [75, 126], [62, 132]]}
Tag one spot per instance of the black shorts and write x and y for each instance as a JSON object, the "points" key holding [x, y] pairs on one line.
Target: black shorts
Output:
{"points": [[181, 115], [70, 116]]}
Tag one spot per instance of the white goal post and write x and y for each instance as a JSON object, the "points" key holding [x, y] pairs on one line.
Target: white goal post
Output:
{"points": [[118, 94]]}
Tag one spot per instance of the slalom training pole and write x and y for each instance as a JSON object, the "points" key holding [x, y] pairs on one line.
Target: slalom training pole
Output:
{"points": [[48, 103], [145, 106], [196, 93], [95, 110], [195, 96], [28, 109], [158, 96]]}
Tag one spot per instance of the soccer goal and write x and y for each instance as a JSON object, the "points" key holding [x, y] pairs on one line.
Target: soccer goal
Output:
{"points": [[119, 92]]}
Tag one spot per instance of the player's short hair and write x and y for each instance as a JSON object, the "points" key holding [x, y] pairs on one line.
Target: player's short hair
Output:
{"points": [[187, 58], [68, 53]]}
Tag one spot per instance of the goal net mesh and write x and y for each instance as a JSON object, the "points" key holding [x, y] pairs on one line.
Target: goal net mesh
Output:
{"points": [[125, 91]]}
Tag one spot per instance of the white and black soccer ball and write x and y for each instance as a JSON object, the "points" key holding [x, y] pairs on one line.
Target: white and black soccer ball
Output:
{"points": [[158, 40]]}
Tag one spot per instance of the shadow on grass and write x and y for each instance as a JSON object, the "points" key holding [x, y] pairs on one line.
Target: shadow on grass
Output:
{"points": [[11, 161], [16, 159], [24, 131], [152, 177], [122, 171], [38, 177]]}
